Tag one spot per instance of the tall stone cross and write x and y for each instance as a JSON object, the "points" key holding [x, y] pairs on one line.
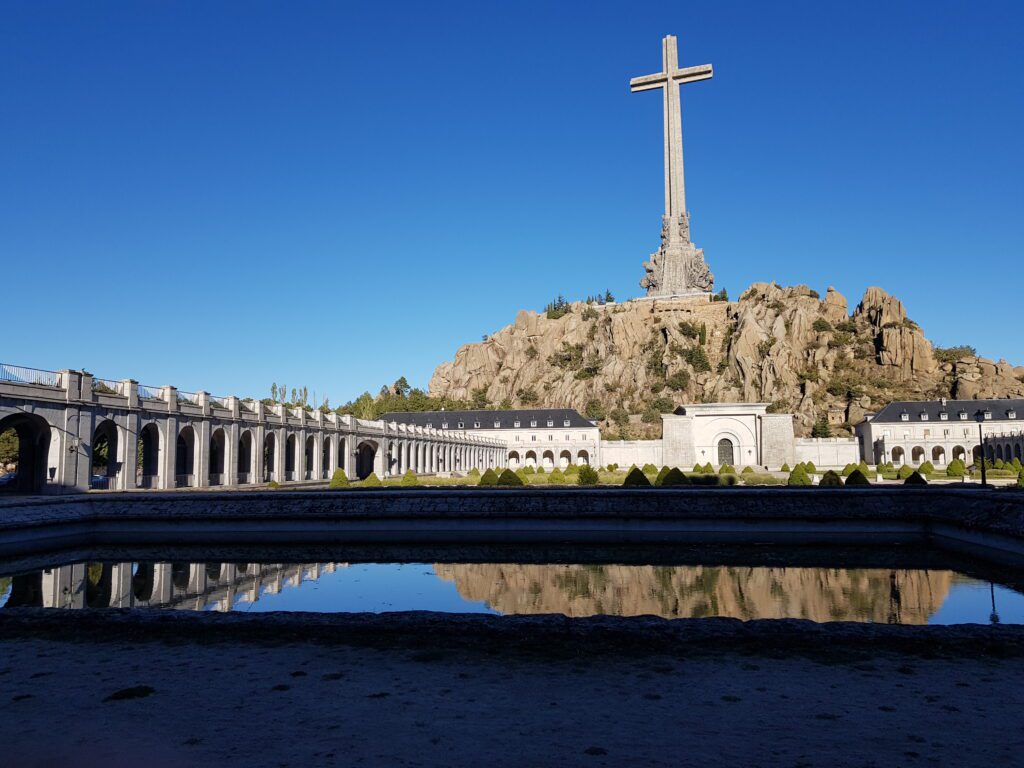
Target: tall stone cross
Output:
{"points": [[678, 267]]}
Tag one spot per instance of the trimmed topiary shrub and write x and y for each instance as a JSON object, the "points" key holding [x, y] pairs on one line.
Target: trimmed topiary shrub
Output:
{"points": [[541, 471], [661, 476], [747, 470], [830, 479], [273, 485], [905, 471], [528, 470], [338, 479], [708, 469], [509, 479], [650, 469], [698, 469], [636, 479], [612, 467], [489, 478], [927, 468], [809, 467], [727, 469], [999, 464], [798, 477], [556, 477], [857, 478], [409, 478], [572, 469], [956, 468], [785, 468], [1016, 464], [848, 469], [758, 479], [474, 472], [1020, 480], [588, 476], [675, 477], [915, 478], [371, 480]]}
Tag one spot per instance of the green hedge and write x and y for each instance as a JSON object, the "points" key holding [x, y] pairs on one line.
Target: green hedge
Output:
{"points": [[587, 476], [857, 478], [509, 479], [830, 479], [370, 481], [661, 476], [636, 479], [556, 477], [338, 479], [727, 469], [798, 477], [489, 478], [409, 478], [675, 477]]}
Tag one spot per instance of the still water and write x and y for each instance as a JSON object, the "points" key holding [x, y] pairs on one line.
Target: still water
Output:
{"points": [[886, 595]]}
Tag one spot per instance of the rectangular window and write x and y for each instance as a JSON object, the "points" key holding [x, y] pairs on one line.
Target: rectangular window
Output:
{"points": [[516, 424], [517, 438], [533, 423], [551, 438], [927, 434], [476, 425], [944, 416], [444, 425], [533, 438], [461, 425], [430, 425], [497, 425], [551, 422], [565, 423]]}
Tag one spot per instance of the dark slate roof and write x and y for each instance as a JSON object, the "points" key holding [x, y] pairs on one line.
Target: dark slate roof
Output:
{"points": [[934, 408], [487, 418]]}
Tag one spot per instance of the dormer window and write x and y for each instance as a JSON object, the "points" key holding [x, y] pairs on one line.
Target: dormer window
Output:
{"points": [[904, 416], [551, 422], [963, 415], [476, 425], [533, 423], [565, 423], [444, 425], [462, 424], [987, 415], [516, 424], [497, 425], [924, 416], [1011, 414], [943, 416], [430, 425]]}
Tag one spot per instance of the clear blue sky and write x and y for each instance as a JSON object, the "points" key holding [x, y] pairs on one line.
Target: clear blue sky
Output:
{"points": [[221, 195]]}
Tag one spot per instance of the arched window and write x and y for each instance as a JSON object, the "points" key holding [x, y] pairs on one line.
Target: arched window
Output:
{"points": [[726, 453]]}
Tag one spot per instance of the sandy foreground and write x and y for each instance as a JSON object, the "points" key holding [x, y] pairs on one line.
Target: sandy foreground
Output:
{"points": [[152, 699]]}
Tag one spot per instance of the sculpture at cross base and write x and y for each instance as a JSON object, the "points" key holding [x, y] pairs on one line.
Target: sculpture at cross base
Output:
{"points": [[677, 267]]}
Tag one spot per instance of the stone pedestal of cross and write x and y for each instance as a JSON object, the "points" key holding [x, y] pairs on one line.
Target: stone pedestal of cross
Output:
{"points": [[677, 267]]}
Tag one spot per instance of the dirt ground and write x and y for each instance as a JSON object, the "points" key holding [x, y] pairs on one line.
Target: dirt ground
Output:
{"points": [[160, 702]]}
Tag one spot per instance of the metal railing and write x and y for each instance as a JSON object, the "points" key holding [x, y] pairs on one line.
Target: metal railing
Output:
{"points": [[150, 393], [20, 375], [106, 387], [188, 397]]}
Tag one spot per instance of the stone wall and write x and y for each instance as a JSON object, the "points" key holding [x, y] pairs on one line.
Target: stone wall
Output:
{"points": [[828, 451], [628, 452]]}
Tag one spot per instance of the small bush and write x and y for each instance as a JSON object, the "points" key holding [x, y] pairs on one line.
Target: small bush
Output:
{"points": [[798, 477], [848, 469], [857, 478], [509, 479], [588, 476], [757, 479], [927, 468], [409, 478], [661, 476], [698, 469], [904, 472], [999, 464], [785, 468], [915, 478], [489, 478], [650, 469], [338, 479], [809, 467], [572, 469], [1020, 480], [612, 467], [273, 485], [831, 479], [956, 468], [727, 469], [474, 472], [529, 470], [541, 471], [371, 480], [1016, 464], [556, 477], [675, 477], [636, 479], [708, 469], [747, 470]]}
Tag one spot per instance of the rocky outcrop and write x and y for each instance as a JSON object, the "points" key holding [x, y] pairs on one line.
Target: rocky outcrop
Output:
{"points": [[626, 363]]}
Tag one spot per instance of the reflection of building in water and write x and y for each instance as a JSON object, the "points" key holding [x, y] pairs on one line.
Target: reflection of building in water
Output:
{"points": [[188, 586], [818, 594]]}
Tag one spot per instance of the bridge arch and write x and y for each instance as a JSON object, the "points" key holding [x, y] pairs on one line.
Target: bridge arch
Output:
{"points": [[185, 458], [32, 434], [246, 471], [105, 469], [366, 458], [218, 450]]}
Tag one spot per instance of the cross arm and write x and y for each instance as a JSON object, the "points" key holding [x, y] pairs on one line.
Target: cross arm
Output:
{"points": [[647, 82], [693, 74]]}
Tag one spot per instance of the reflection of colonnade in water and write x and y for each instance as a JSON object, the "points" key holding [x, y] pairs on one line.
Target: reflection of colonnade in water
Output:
{"points": [[820, 594], [185, 586]]}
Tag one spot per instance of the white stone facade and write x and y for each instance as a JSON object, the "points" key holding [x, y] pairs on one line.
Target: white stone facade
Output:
{"points": [[828, 452], [740, 434]]}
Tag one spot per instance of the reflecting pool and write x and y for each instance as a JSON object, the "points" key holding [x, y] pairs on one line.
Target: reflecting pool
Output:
{"points": [[873, 594]]}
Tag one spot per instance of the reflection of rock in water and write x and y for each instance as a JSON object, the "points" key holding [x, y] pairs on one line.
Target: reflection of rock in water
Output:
{"points": [[819, 594]]}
